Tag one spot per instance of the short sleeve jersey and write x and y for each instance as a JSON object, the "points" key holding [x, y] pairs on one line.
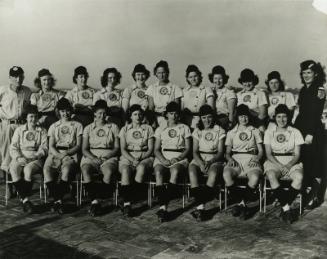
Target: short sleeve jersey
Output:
{"points": [[113, 98], [136, 138], [84, 97], [283, 141], [173, 137], [101, 136], [46, 101], [209, 139], [136, 95], [195, 97], [280, 98], [163, 94], [244, 140], [65, 133], [253, 99], [13, 103], [222, 97], [28, 142]]}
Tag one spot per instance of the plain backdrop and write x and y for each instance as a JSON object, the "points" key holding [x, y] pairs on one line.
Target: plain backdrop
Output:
{"points": [[263, 35]]}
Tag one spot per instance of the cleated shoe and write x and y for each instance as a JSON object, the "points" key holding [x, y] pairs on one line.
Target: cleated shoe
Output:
{"points": [[237, 210], [28, 207], [162, 215], [198, 215], [95, 209], [58, 207], [127, 211], [244, 213], [286, 216]]}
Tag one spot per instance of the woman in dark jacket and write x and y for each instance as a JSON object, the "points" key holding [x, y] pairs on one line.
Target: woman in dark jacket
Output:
{"points": [[311, 103]]}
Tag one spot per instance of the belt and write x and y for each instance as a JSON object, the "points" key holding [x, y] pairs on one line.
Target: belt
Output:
{"points": [[208, 152], [174, 149], [282, 154], [138, 150], [62, 148], [254, 152]]}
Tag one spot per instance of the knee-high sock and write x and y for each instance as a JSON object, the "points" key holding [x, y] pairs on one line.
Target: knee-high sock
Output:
{"points": [[291, 195], [196, 193], [234, 193], [248, 193], [162, 194], [51, 186], [281, 195], [61, 190], [209, 193], [106, 190], [126, 193], [139, 189], [172, 189], [20, 186], [91, 190], [28, 188]]}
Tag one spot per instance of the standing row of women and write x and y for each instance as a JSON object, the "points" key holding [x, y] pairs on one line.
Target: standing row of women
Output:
{"points": [[220, 99]]}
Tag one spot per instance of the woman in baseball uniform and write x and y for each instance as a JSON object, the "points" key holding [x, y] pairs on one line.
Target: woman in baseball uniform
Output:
{"points": [[194, 96], [244, 151], [225, 97], [112, 94], [311, 102], [162, 92], [65, 140], [136, 142], [172, 146], [46, 98], [254, 98], [28, 150], [282, 144], [100, 150], [81, 97], [277, 94], [208, 152]]}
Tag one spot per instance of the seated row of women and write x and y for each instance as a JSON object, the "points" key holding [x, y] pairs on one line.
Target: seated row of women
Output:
{"points": [[166, 152]]}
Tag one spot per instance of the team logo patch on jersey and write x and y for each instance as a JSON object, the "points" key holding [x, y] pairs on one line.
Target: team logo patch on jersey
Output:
{"points": [[163, 90], [46, 97], [85, 95], [30, 136], [172, 133], [274, 100], [112, 97], [141, 94], [64, 130], [101, 133], [281, 138], [243, 136], [208, 136], [137, 134], [321, 94], [247, 98]]}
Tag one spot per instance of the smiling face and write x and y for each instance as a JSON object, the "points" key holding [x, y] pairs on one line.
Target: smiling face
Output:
{"points": [[172, 116], [81, 80], [281, 120], [308, 76], [65, 114], [193, 79], [218, 80], [243, 120], [248, 86], [140, 78], [31, 119], [207, 120], [100, 115]]}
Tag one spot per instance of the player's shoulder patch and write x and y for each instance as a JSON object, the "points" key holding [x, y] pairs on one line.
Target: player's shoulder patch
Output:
{"points": [[321, 93]]}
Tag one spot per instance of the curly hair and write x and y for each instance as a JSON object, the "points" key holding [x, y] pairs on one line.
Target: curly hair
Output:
{"points": [[37, 82], [193, 68], [163, 64], [104, 77], [317, 68]]}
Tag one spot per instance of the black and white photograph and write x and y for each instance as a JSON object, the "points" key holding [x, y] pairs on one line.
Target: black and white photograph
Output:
{"points": [[163, 129]]}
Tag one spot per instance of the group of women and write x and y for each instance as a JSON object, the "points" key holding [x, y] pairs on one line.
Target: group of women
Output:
{"points": [[171, 132]]}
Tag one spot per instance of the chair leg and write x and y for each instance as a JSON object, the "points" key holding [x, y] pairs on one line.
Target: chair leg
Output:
{"points": [[225, 198], [300, 204]]}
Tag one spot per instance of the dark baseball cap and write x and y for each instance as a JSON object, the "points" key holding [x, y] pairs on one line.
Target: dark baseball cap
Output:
{"points": [[16, 71]]}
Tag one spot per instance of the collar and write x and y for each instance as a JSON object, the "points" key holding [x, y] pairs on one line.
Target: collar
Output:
{"points": [[249, 128], [200, 87]]}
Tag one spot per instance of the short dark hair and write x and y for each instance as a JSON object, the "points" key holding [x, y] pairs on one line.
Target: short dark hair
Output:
{"points": [[80, 70], [133, 108], [316, 67], [37, 80], [161, 63], [140, 68]]}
